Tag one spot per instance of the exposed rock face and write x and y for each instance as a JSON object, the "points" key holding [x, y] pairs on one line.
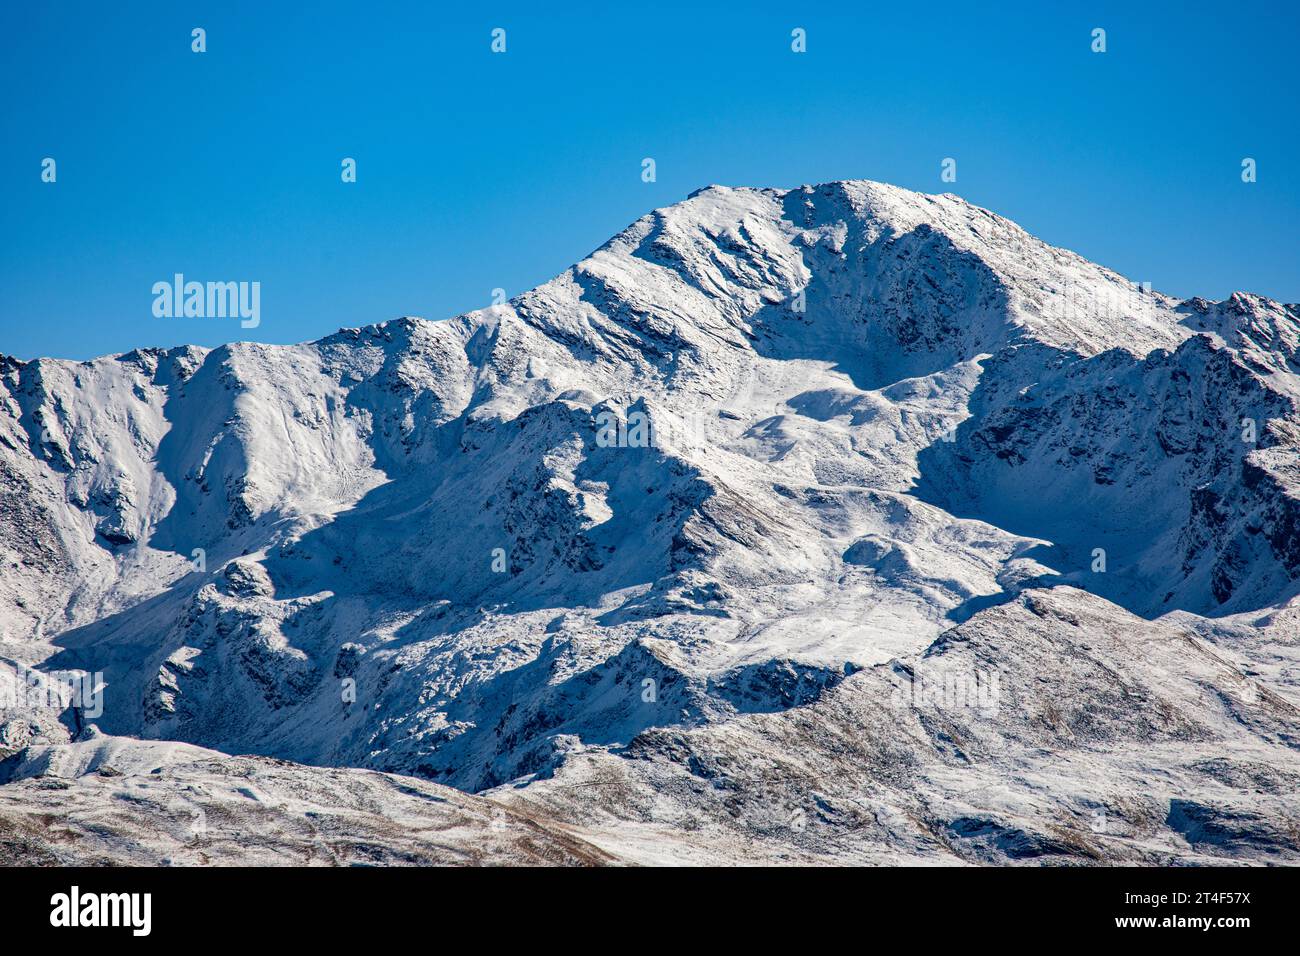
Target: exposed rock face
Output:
{"points": [[840, 522]]}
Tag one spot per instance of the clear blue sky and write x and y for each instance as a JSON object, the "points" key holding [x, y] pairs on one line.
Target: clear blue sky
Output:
{"points": [[478, 171]]}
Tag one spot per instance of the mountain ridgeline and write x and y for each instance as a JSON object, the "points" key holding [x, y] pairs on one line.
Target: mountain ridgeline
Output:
{"points": [[783, 526]]}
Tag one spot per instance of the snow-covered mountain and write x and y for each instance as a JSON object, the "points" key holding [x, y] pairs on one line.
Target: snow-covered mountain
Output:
{"points": [[840, 522]]}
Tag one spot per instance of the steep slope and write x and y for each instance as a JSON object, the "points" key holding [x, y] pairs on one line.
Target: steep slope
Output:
{"points": [[757, 452], [1056, 728]]}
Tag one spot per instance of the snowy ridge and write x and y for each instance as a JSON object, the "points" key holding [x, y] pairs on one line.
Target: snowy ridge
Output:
{"points": [[887, 431]]}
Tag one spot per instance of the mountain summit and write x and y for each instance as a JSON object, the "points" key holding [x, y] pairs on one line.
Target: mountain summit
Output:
{"points": [[840, 522]]}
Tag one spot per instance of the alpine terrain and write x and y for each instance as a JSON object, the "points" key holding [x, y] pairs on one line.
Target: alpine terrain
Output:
{"points": [[833, 524]]}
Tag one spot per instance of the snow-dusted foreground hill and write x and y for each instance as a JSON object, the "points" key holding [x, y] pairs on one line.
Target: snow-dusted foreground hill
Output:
{"points": [[839, 523]]}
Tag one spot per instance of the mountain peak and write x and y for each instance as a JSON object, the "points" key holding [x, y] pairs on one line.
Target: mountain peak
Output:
{"points": [[843, 471]]}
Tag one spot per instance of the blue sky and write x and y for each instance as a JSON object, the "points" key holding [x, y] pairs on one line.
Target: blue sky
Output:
{"points": [[478, 171]]}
